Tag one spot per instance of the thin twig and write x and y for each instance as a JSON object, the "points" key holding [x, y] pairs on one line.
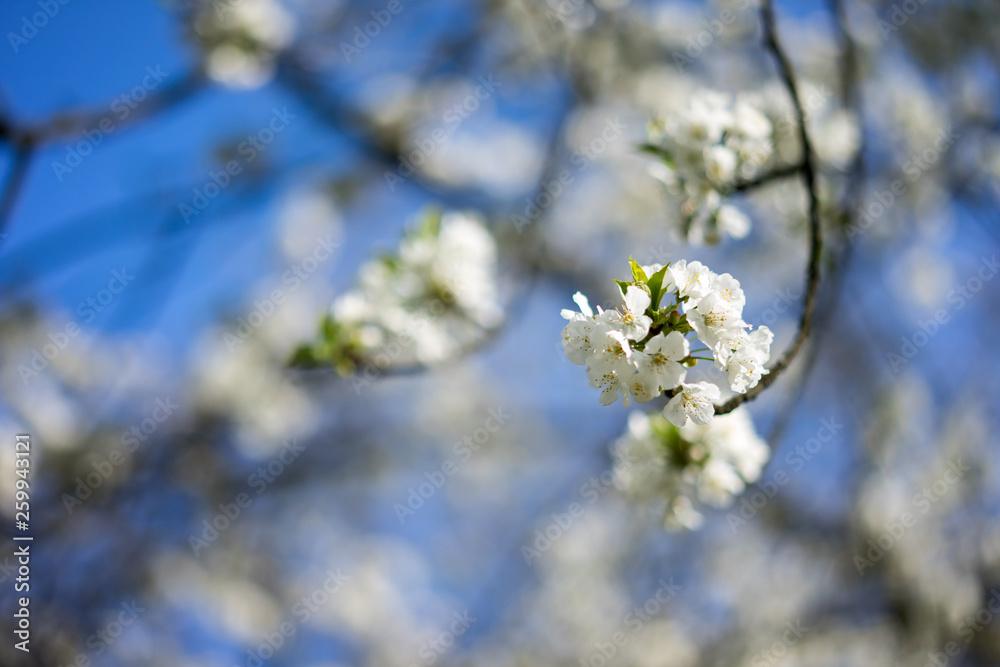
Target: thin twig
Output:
{"points": [[808, 172], [25, 140], [850, 93], [775, 174], [850, 96], [73, 123]]}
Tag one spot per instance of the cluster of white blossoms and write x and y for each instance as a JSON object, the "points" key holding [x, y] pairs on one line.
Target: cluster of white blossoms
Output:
{"points": [[705, 151], [241, 39], [428, 302], [655, 461], [642, 349]]}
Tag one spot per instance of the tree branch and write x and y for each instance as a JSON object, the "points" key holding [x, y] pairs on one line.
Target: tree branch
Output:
{"points": [[775, 174], [808, 172], [26, 140], [72, 123], [20, 161], [850, 97]]}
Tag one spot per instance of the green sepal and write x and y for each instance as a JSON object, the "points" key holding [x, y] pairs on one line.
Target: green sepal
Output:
{"points": [[677, 321]]}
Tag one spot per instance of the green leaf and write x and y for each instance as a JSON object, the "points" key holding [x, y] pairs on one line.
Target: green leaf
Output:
{"points": [[429, 223], [637, 273], [390, 262], [663, 430], [304, 356], [329, 329], [653, 149], [655, 283], [623, 285]]}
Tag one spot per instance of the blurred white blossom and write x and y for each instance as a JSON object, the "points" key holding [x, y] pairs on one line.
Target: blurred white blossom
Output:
{"points": [[706, 150], [241, 39], [437, 296], [670, 467]]}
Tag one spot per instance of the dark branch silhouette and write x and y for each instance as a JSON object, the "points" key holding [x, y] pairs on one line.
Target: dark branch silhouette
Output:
{"points": [[808, 172]]}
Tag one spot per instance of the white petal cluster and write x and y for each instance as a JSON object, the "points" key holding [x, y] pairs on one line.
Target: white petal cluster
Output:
{"points": [[242, 38], [707, 149], [605, 343], [714, 309], [693, 403], [640, 350], [657, 462], [430, 301]]}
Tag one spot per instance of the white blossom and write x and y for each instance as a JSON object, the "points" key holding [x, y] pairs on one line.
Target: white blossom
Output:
{"points": [[720, 164], [743, 357], [718, 482], [714, 318], [577, 334], [749, 122], [732, 437], [610, 365], [669, 468], [583, 303], [624, 359], [631, 319], [693, 402], [732, 221], [435, 297], [242, 40], [706, 150], [693, 280], [659, 366]]}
